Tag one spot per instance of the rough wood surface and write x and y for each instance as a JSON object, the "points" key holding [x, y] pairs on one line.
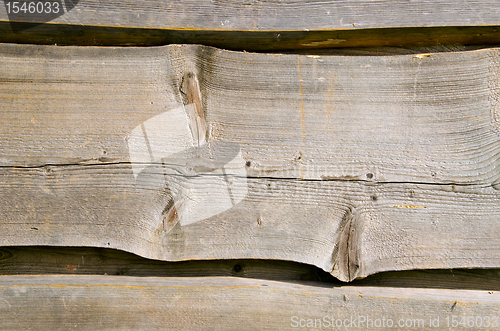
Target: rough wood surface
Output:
{"points": [[225, 303], [353, 164], [261, 25]]}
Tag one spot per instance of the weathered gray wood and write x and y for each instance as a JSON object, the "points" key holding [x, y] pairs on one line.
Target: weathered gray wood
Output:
{"points": [[262, 25], [354, 164], [117, 303], [278, 15]]}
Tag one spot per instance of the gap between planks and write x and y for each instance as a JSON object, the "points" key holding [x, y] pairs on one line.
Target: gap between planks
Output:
{"points": [[363, 41]]}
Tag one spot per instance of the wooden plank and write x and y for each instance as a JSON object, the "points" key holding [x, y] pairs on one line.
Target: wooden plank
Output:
{"points": [[353, 164], [223, 303], [35, 260], [257, 25], [276, 16]]}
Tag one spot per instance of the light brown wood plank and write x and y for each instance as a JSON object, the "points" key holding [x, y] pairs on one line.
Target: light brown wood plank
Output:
{"points": [[110, 302], [315, 116], [270, 224], [356, 165]]}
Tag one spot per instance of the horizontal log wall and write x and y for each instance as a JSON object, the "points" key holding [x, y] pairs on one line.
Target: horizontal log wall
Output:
{"points": [[353, 164], [367, 148]]}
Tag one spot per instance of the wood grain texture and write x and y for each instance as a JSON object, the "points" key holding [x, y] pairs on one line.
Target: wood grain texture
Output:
{"points": [[223, 303], [353, 164], [278, 15]]}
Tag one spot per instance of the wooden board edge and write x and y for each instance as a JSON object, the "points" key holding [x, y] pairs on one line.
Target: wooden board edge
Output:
{"points": [[113, 302]]}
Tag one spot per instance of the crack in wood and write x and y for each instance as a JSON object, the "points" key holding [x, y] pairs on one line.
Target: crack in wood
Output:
{"points": [[190, 88], [345, 254], [495, 184]]}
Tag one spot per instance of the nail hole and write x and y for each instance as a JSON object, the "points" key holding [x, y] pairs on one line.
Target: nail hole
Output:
{"points": [[369, 175], [248, 163], [237, 268], [374, 198]]}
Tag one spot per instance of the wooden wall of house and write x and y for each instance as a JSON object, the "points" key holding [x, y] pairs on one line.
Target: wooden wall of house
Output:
{"points": [[250, 164]]}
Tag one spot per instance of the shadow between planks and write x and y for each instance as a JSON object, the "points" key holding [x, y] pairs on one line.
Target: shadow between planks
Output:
{"points": [[38, 260], [252, 41], [421, 189]]}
